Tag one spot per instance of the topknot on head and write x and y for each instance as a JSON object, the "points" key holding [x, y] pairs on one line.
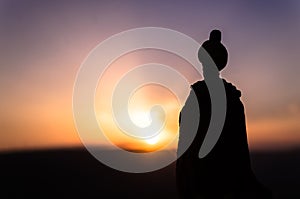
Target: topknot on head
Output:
{"points": [[215, 35]]}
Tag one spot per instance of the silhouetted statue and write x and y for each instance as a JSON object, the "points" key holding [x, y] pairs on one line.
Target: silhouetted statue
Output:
{"points": [[226, 171]]}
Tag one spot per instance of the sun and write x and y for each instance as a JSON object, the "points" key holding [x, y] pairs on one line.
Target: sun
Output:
{"points": [[141, 118], [153, 141]]}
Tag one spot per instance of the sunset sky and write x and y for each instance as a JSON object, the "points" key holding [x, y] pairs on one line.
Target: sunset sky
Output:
{"points": [[43, 43]]}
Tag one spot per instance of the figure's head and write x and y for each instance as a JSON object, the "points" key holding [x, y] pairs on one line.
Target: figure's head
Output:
{"points": [[215, 49]]}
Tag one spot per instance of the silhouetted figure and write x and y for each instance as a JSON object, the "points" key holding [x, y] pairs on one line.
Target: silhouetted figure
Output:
{"points": [[226, 171]]}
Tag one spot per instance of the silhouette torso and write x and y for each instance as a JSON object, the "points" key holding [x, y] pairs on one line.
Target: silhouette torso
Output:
{"points": [[226, 171]]}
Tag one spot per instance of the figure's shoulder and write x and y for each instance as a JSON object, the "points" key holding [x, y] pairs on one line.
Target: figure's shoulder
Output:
{"points": [[231, 89], [199, 85]]}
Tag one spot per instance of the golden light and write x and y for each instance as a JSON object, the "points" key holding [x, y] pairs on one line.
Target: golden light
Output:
{"points": [[154, 140], [140, 118]]}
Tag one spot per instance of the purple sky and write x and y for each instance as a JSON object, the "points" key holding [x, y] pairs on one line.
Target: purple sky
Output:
{"points": [[43, 43]]}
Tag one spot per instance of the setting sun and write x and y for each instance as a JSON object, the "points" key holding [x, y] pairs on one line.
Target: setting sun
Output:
{"points": [[154, 140], [141, 118]]}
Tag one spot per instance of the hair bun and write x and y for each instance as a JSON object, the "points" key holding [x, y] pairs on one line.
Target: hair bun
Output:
{"points": [[215, 36], [215, 49]]}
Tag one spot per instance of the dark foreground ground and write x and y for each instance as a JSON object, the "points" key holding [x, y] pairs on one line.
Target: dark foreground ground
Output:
{"points": [[74, 173]]}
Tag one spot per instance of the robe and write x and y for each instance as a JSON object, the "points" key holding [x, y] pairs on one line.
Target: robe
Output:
{"points": [[226, 171]]}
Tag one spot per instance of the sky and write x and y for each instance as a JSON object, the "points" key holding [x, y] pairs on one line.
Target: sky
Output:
{"points": [[43, 44]]}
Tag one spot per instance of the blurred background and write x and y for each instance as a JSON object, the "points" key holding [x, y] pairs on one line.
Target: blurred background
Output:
{"points": [[43, 43]]}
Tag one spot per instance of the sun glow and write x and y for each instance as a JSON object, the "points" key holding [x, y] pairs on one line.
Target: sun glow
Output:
{"points": [[141, 118], [154, 140]]}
